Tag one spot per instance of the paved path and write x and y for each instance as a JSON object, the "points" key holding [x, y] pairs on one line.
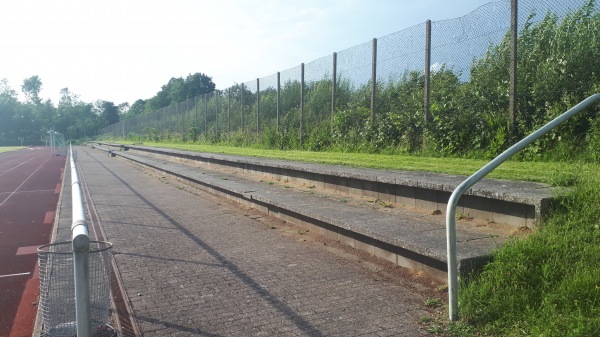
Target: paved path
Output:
{"points": [[29, 189], [196, 265]]}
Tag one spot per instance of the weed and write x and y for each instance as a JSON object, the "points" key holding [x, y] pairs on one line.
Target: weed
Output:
{"points": [[435, 329], [425, 319], [460, 329], [433, 302]]}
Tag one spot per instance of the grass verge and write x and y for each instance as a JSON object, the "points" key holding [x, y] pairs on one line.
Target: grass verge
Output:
{"points": [[549, 283], [10, 148], [555, 173]]}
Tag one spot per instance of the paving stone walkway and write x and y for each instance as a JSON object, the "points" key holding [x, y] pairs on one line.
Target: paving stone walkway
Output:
{"points": [[195, 265]]}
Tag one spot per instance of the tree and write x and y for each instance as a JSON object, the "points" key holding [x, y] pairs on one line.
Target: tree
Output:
{"points": [[123, 108], [109, 112], [136, 108], [198, 84], [31, 88]]}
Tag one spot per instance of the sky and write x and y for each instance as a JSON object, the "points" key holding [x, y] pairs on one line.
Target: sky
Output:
{"points": [[124, 50]]}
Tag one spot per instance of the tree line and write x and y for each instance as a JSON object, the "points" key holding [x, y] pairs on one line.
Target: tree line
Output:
{"points": [[28, 122]]}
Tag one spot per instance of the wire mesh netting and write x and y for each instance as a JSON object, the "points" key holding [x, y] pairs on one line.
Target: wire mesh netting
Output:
{"points": [[469, 72], [57, 289]]}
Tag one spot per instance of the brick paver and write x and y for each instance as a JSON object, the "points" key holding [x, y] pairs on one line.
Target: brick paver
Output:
{"points": [[196, 265]]}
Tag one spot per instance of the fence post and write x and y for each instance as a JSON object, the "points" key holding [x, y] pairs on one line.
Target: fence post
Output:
{"points": [[513, 66], [229, 110], [257, 106], [301, 98], [373, 79], [278, 96], [333, 88], [216, 99], [242, 105], [206, 115], [427, 89]]}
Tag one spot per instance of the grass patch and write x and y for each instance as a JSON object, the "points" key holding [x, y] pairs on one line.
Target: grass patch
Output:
{"points": [[10, 148], [549, 283], [556, 173]]}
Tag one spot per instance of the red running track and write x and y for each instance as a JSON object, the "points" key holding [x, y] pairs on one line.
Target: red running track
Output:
{"points": [[30, 183]]}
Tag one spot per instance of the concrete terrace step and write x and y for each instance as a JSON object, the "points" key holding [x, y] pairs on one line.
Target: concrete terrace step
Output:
{"points": [[515, 203], [403, 236]]}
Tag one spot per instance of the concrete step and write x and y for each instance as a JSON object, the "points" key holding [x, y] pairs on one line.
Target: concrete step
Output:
{"points": [[404, 236], [515, 203]]}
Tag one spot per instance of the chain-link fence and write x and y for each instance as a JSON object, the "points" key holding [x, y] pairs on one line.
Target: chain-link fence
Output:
{"points": [[437, 70]]}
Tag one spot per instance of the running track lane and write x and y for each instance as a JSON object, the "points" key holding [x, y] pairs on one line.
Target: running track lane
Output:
{"points": [[30, 182]]}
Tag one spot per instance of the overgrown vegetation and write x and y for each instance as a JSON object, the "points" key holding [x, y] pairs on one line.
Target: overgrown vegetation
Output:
{"points": [[548, 284], [558, 66]]}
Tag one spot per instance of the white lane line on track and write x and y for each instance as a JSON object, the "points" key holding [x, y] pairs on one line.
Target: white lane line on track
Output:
{"points": [[13, 275], [13, 168], [30, 191], [24, 181]]}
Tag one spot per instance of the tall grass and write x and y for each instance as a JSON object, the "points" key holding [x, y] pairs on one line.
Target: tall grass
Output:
{"points": [[549, 283]]}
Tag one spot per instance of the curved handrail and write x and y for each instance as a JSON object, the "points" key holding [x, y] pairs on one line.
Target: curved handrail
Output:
{"points": [[469, 182]]}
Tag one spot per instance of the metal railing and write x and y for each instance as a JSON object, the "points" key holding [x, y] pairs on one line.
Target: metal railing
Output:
{"points": [[81, 246], [469, 182]]}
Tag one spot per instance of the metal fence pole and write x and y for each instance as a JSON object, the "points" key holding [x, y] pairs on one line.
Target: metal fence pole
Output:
{"points": [[196, 112], [257, 106], [513, 66], [301, 98], [205, 114], [242, 105], [228, 109], [427, 88], [81, 246], [278, 98], [333, 87], [373, 80], [216, 98]]}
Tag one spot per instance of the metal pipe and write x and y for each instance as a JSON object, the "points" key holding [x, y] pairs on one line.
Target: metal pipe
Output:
{"points": [[81, 245], [469, 182]]}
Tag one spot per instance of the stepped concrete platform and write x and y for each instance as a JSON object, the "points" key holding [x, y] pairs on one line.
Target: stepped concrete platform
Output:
{"points": [[393, 215]]}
